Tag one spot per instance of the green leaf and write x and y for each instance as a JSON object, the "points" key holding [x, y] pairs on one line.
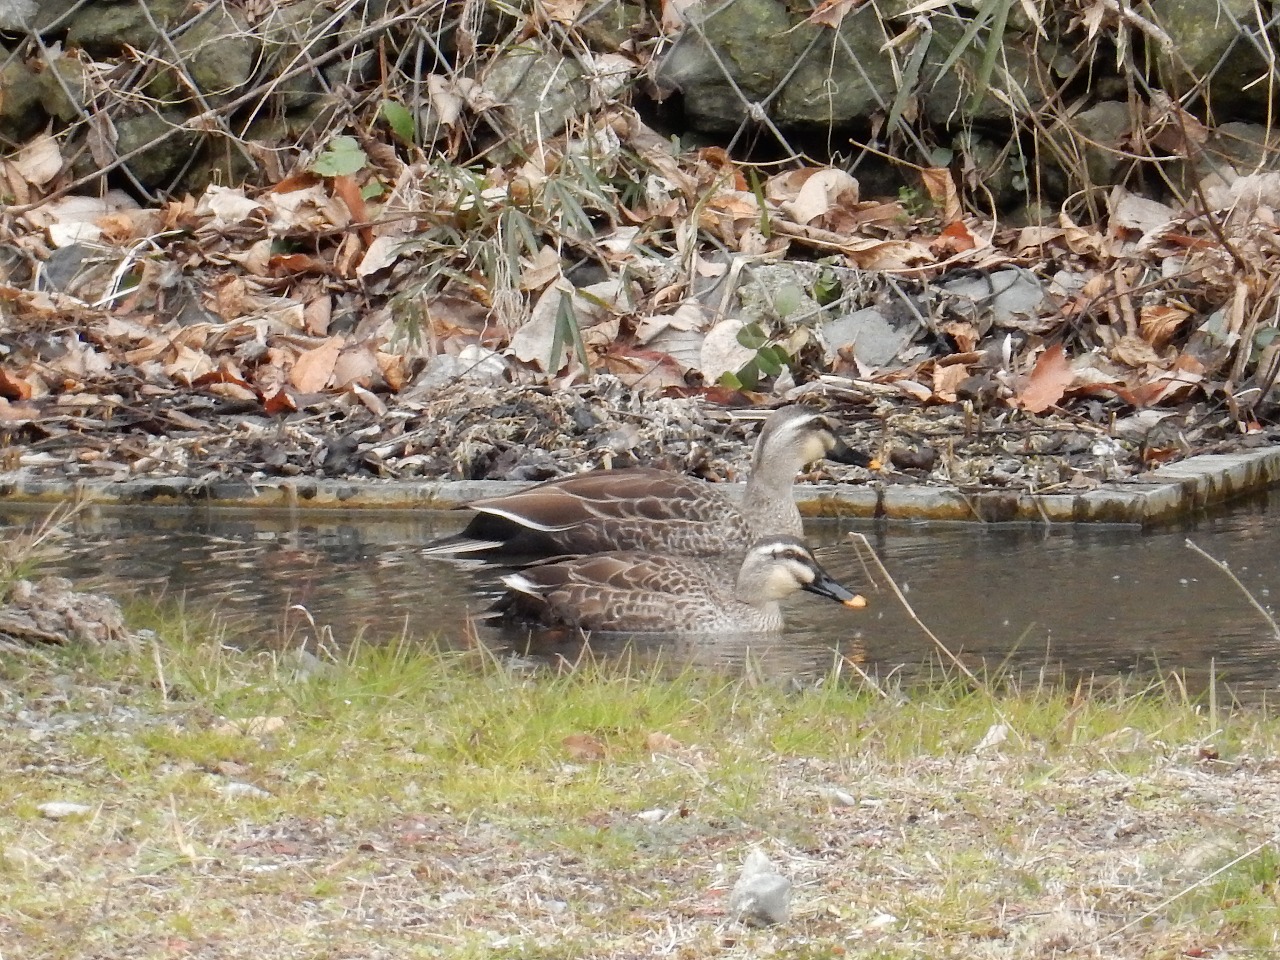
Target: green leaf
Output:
{"points": [[827, 288], [787, 299], [372, 189], [752, 337], [729, 380], [767, 362], [749, 375], [399, 118], [343, 157], [757, 188]]}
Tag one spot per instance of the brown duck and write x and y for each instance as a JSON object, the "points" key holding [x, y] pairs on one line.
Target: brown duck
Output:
{"points": [[647, 509], [636, 592]]}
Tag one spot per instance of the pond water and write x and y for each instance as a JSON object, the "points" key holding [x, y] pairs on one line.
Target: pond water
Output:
{"points": [[1062, 600]]}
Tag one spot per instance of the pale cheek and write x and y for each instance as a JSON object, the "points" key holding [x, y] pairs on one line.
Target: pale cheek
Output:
{"points": [[815, 449], [780, 584]]}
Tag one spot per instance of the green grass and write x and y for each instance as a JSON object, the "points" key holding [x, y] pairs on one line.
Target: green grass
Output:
{"points": [[403, 801]]}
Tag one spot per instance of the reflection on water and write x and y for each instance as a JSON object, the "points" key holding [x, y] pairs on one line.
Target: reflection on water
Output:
{"points": [[1065, 600]]}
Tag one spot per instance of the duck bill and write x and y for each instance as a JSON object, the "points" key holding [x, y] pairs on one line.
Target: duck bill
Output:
{"points": [[824, 586], [843, 453]]}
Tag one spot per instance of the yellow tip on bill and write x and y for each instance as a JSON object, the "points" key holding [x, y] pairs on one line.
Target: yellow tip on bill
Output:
{"points": [[857, 602]]}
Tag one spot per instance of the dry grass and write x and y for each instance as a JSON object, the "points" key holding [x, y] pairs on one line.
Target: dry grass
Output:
{"points": [[407, 803]]}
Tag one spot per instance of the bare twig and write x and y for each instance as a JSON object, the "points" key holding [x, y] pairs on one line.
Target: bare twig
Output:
{"points": [[1221, 565]]}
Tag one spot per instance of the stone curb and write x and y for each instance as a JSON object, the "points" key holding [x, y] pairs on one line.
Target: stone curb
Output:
{"points": [[1173, 491]]}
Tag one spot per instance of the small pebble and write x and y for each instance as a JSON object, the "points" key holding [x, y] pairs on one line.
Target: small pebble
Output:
{"points": [[61, 810], [762, 896]]}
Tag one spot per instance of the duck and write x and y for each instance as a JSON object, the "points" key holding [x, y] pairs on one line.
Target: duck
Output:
{"points": [[641, 508], [637, 592]]}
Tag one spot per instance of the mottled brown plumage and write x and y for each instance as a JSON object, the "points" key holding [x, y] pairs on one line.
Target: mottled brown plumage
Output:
{"points": [[636, 592], [646, 509]]}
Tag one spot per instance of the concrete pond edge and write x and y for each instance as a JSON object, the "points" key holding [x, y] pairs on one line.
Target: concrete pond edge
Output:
{"points": [[1169, 493]]}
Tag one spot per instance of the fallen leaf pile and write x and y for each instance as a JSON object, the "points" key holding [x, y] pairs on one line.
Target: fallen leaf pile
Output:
{"points": [[324, 325]]}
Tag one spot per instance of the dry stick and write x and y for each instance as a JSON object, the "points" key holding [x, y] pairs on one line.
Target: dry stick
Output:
{"points": [[1221, 565], [201, 121], [862, 537]]}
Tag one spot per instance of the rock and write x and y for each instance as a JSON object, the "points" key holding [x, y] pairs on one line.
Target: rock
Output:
{"points": [[877, 335], [166, 152], [751, 55], [51, 612], [762, 896], [219, 53], [237, 788], [107, 29], [1019, 79], [18, 15], [20, 111], [1003, 297], [539, 91], [62, 810], [1099, 137]]}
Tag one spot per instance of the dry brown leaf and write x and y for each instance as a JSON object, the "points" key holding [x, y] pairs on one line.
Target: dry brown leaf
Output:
{"points": [[356, 365], [1160, 322], [316, 315], [543, 269], [946, 379], [1048, 381], [941, 187], [831, 12], [956, 237], [279, 402], [964, 333], [187, 365], [39, 161], [637, 367], [583, 746], [348, 191], [394, 369], [14, 387], [1187, 373], [663, 743], [1134, 352], [312, 370], [819, 194]]}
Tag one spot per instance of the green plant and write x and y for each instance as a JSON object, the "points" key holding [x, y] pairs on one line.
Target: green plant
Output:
{"points": [[769, 359], [342, 157]]}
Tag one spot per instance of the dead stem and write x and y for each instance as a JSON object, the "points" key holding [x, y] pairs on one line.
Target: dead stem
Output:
{"points": [[1222, 565]]}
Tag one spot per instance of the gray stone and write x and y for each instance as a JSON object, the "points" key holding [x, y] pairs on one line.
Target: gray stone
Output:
{"points": [[762, 896], [105, 29], [20, 110], [1093, 143], [18, 15], [63, 88], [166, 152], [539, 91], [1207, 43], [218, 53], [734, 58], [877, 335], [1017, 84], [1003, 297]]}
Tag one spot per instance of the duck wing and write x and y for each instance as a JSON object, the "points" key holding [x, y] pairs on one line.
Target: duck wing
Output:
{"points": [[604, 510], [613, 592]]}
